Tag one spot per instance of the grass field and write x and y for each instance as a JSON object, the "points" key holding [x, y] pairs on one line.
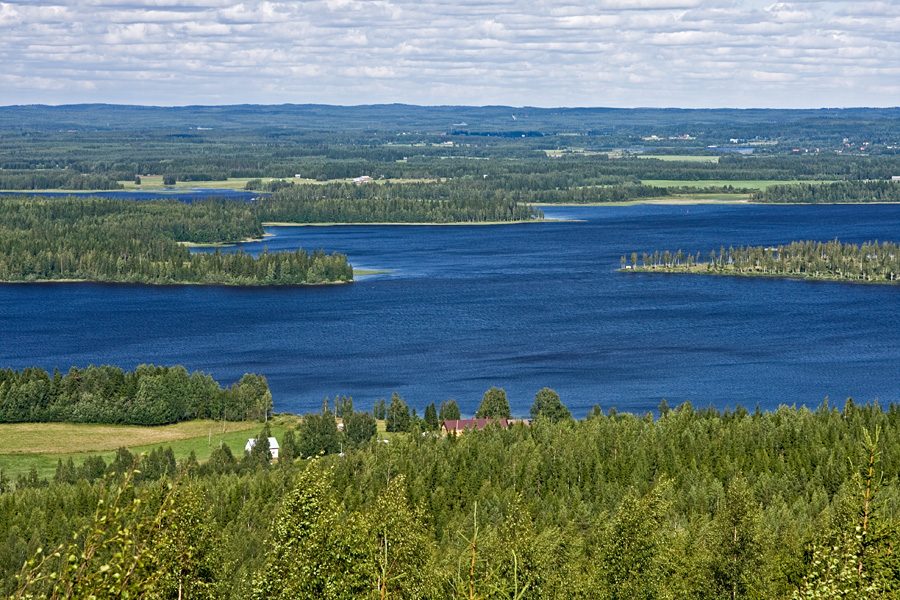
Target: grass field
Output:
{"points": [[755, 184], [680, 157], [41, 445], [237, 183]]}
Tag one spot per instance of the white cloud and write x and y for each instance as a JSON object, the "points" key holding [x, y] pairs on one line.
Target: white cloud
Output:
{"points": [[545, 52]]}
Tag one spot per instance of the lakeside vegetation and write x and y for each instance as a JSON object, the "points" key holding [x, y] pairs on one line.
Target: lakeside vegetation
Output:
{"points": [[830, 261], [129, 241], [391, 203], [691, 504], [839, 192], [149, 395]]}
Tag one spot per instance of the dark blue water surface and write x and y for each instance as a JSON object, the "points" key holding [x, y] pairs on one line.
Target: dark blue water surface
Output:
{"points": [[517, 306]]}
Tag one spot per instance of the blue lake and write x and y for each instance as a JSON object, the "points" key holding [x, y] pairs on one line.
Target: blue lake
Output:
{"points": [[517, 306]]}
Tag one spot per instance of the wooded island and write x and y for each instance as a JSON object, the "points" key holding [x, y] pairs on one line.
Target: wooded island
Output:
{"points": [[829, 261]]}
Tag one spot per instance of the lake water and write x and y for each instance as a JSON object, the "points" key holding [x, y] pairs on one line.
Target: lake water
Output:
{"points": [[517, 306]]}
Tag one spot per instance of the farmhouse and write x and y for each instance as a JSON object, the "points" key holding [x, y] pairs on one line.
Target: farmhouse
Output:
{"points": [[273, 446], [362, 179]]}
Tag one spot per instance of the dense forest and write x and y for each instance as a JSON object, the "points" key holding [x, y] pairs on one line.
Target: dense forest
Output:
{"points": [[701, 504], [128, 241], [148, 395], [60, 179], [392, 203], [831, 193], [867, 263]]}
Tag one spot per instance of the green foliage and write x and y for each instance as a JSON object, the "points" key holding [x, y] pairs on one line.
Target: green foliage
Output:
{"points": [[630, 565], [736, 565], [260, 453], [867, 263], [343, 408], [398, 417], [696, 505], [149, 395], [318, 434], [313, 553], [548, 406], [151, 544], [360, 428], [399, 545], [831, 193], [449, 411], [129, 241], [380, 410], [431, 418], [392, 203], [494, 405]]}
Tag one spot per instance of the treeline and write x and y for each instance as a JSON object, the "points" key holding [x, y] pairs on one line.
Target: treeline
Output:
{"points": [[694, 504], [127, 241], [831, 193], [56, 179], [395, 203], [868, 263], [148, 395]]}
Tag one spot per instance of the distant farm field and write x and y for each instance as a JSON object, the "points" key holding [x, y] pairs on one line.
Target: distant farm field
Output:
{"points": [[237, 183], [756, 184], [41, 445], [680, 157]]}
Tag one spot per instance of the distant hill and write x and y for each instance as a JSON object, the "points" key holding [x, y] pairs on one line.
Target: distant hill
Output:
{"points": [[465, 120]]}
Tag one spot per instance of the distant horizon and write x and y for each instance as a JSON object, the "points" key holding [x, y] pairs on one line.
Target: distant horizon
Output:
{"points": [[410, 104]]}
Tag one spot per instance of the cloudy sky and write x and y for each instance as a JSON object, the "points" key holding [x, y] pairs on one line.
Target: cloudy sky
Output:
{"points": [[687, 53]]}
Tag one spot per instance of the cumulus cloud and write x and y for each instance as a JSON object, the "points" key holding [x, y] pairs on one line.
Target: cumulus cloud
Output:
{"points": [[543, 53]]}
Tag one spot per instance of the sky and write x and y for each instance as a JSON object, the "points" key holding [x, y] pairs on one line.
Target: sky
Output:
{"points": [[546, 53]]}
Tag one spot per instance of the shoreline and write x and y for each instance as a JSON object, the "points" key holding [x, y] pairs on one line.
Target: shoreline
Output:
{"points": [[790, 276], [224, 244], [459, 223], [657, 201], [182, 283]]}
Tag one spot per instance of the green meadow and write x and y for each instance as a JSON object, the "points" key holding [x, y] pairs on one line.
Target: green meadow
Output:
{"points": [[24, 446]]}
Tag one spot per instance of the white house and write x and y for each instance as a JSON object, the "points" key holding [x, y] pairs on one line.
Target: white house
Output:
{"points": [[273, 446]]}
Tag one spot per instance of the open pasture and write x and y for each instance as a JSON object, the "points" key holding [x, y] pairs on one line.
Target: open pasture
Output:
{"points": [[41, 445]]}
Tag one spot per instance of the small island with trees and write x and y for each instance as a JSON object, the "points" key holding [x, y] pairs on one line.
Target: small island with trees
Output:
{"points": [[872, 262]]}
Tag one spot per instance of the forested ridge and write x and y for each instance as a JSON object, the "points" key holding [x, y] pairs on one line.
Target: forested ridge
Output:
{"points": [[871, 262], [795, 503], [128, 241]]}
